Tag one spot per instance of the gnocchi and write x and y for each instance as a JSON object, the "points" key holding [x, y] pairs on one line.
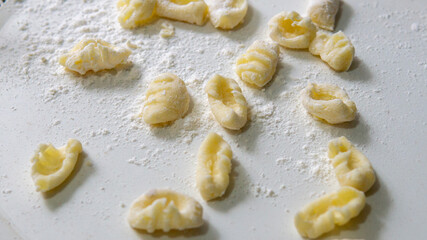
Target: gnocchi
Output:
{"points": [[258, 65], [95, 55], [351, 167], [166, 99], [291, 30], [322, 13], [167, 30], [337, 208], [191, 11], [52, 166], [227, 102], [335, 49], [328, 102], [165, 210], [227, 14], [213, 167], [135, 13]]}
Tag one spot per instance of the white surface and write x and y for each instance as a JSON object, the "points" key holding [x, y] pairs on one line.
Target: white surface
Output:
{"points": [[387, 81]]}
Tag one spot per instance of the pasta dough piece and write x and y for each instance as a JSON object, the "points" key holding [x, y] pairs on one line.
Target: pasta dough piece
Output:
{"points": [[51, 166], [227, 102], [291, 30], [95, 55], [165, 210], [258, 65], [227, 14], [191, 11], [337, 208], [322, 13], [135, 13], [351, 167], [328, 102], [167, 99], [335, 49], [213, 167], [167, 30]]}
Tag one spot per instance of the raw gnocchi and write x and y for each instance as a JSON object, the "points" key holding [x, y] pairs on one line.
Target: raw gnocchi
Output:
{"points": [[337, 208], [335, 49], [322, 13], [165, 210], [291, 30], [166, 99], [227, 102], [51, 166], [95, 55], [258, 65], [191, 11], [213, 167], [135, 13], [227, 14], [351, 167], [328, 102]]}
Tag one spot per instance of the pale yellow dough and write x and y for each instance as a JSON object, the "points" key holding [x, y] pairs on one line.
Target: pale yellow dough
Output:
{"points": [[191, 11], [322, 13], [227, 14], [135, 13]]}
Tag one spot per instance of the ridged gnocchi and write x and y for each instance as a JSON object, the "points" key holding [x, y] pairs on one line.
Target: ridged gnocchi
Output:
{"points": [[337, 208], [213, 167], [328, 102], [227, 102], [351, 167], [95, 55], [191, 11], [335, 49], [322, 13], [165, 210], [51, 166], [258, 65], [291, 30], [135, 13], [227, 14], [166, 99]]}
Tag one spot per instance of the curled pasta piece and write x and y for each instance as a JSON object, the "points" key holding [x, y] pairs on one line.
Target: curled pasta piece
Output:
{"points": [[227, 102], [227, 14], [337, 208], [95, 55], [258, 65], [328, 102], [51, 166], [191, 11], [351, 167], [166, 99], [165, 210], [291, 30], [135, 13], [213, 167], [322, 13]]}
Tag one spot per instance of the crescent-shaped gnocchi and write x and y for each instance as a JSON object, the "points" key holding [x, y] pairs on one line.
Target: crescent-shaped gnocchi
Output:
{"points": [[337, 208], [51, 166], [227, 14], [258, 65], [95, 55], [191, 11], [135, 13], [165, 210], [328, 102], [291, 30], [227, 102], [166, 99], [322, 13], [351, 167], [213, 167]]}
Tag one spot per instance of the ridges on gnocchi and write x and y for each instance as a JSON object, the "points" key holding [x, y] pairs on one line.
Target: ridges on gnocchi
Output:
{"points": [[322, 13], [51, 166], [258, 65], [135, 13], [213, 167], [351, 167], [227, 102], [227, 14], [191, 11], [328, 102], [165, 210]]}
